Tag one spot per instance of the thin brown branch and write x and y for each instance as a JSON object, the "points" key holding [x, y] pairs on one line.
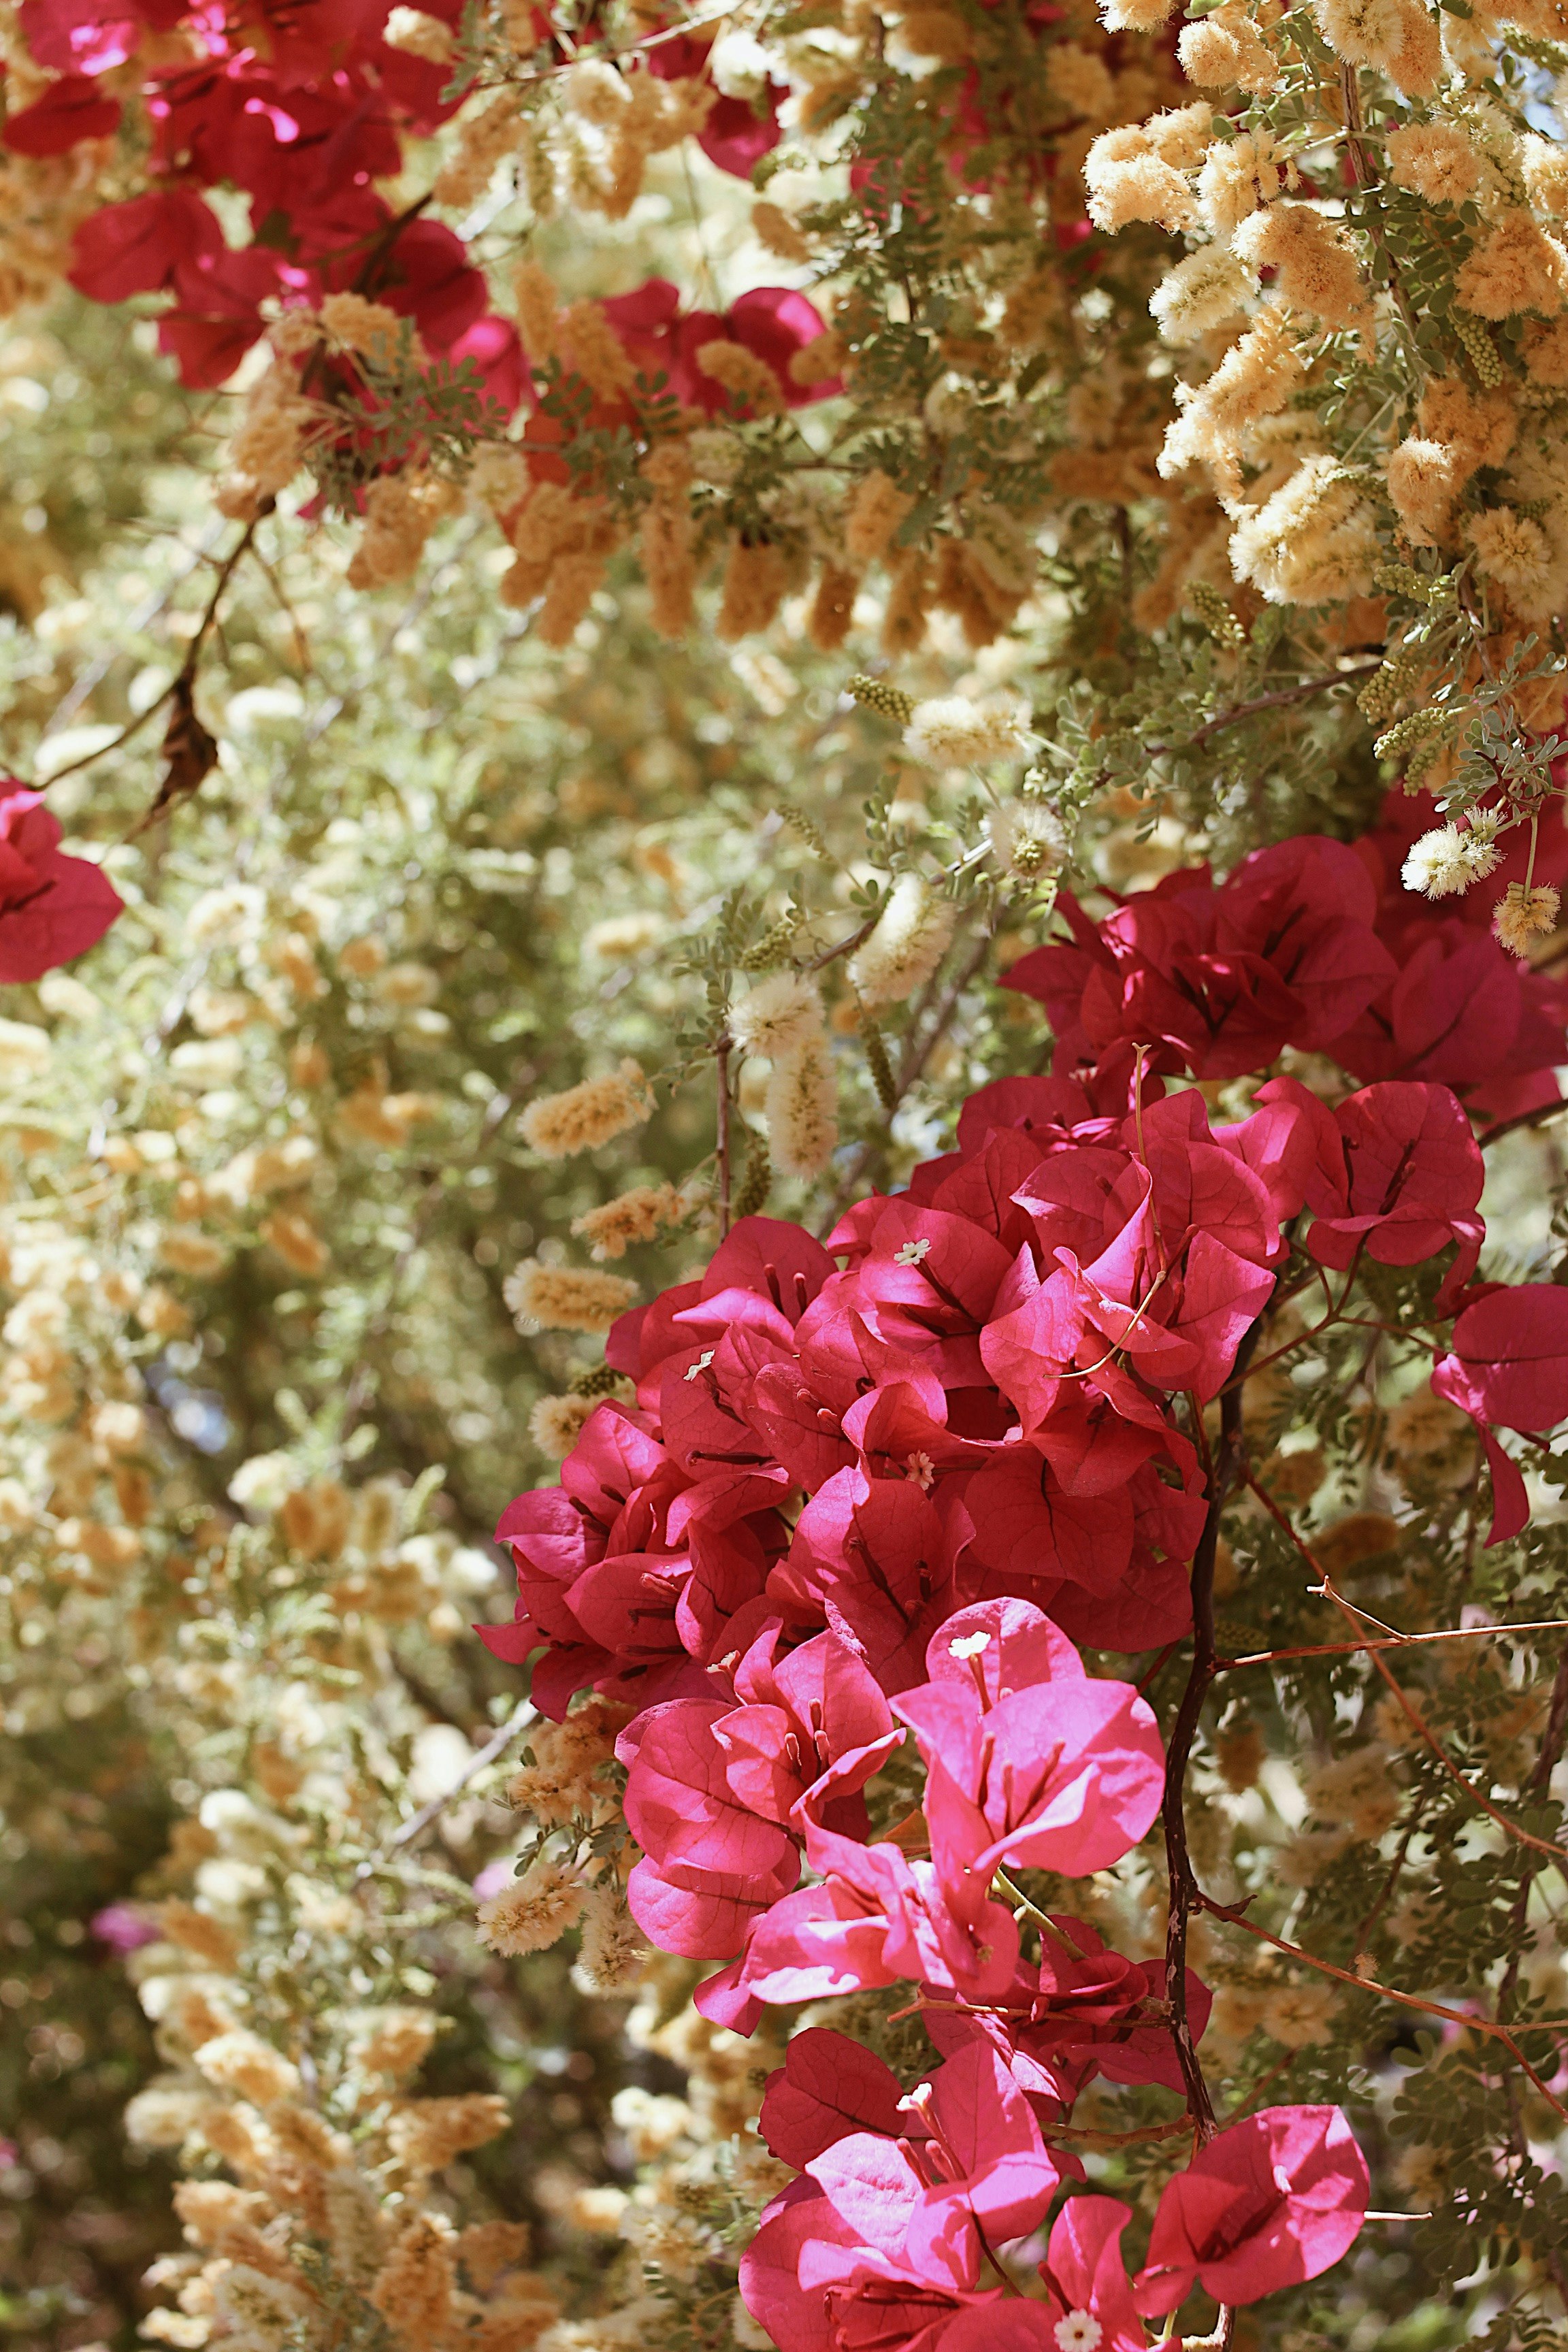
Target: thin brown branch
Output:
{"points": [[916, 1057], [1411, 1714], [98, 669], [180, 684], [482, 1758], [1536, 1118], [1392, 1641], [127, 734], [280, 596], [1142, 2137], [1464, 2017], [1277, 701], [1185, 1893], [842, 947], [225, 572]]}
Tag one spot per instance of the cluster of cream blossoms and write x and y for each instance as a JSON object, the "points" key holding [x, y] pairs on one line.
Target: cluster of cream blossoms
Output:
{"points": [[1371, 368]]}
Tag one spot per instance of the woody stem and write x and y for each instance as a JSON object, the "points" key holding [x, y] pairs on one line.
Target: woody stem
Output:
{"points": [[1277, 701], [1184, 1896], [721, 1053], [187, 669]]}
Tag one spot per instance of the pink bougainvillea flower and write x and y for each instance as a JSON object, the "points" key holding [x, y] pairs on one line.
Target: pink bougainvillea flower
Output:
{"points": [[678, 1799], [1085, 1556], [1511, 1355], [826, 1939], [712, 1787], [1085, 2278], [1063, 1774], [70, 110], [704, 1915], [216, 315], [1214, 979], [875, 1555], [994, 1648], [615, 1490], [125, 1929], [736, 134], [665, 1617], [88, 36], [827, 2088], [1267, 2204], [135, 247], [1461, 1011], [811, 2282], [875, 1916], [52, 908], [978, 2146], [774, 322], [1508, 1368], [812, 1728], [1083, 2009], [492, 344], [434, 282], [777, 323], [1396, 1172], [902, 2221], [1012, 2326]]}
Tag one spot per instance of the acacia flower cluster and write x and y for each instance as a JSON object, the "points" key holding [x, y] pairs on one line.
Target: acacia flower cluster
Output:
{"points": [[1370, 380]]}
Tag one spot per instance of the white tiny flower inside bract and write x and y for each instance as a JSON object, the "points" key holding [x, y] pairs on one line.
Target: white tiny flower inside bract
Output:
{"points": [[968, 1645], [1079, 2331]]}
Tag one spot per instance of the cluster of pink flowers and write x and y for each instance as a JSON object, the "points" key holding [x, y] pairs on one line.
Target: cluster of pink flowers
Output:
{"points": [[302, 110], [883, 2237], [1462, 1009], [882, 1487], [1313, 944]]}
